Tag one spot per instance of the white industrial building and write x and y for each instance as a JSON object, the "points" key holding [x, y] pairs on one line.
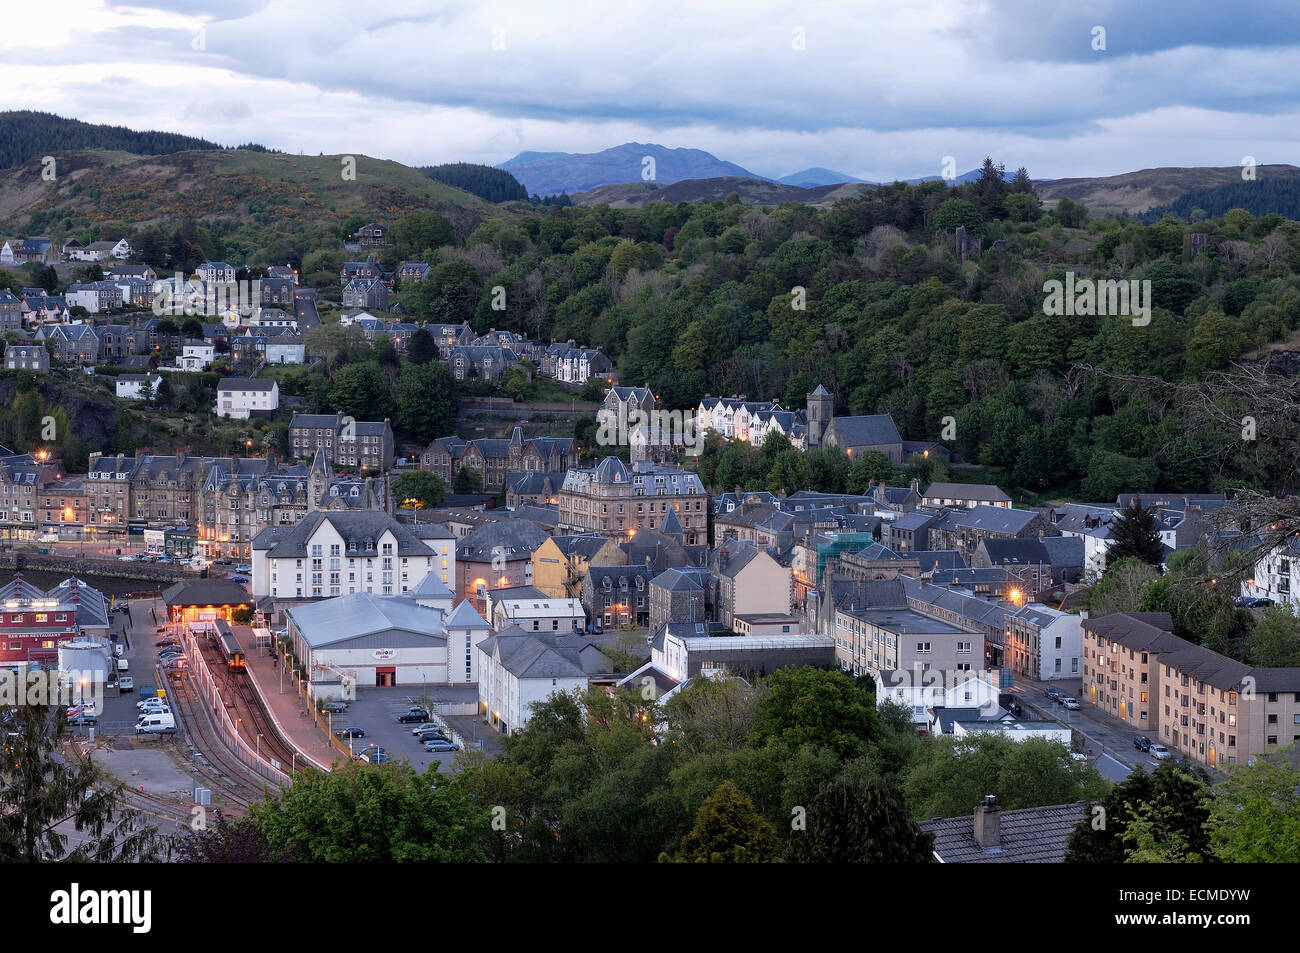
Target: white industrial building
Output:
{"points": [[378, 640]]}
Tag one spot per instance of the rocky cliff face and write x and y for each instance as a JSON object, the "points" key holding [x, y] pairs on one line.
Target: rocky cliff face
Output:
{"points": [[93, 419]]}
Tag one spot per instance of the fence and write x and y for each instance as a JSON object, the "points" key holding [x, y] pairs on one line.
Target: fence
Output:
{"points": [[215, 709]]}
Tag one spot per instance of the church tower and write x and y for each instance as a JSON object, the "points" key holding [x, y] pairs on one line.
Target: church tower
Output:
{"points": [[821, 407], [318, 481]]}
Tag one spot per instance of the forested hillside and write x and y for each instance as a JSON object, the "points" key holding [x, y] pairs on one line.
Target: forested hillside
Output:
{"points": [[700, 299], [28, 135], [489, 184]]}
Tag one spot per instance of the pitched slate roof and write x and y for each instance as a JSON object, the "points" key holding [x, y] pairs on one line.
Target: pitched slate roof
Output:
{"points": [[360, 531], [527, 655], [966, 491], [1035, 835], [870, 430]]}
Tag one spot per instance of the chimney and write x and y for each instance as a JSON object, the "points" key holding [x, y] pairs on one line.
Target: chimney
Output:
{"points": [[988, 823], [916, 486]]}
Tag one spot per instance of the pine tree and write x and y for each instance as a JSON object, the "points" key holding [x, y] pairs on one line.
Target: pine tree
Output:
{"points": [[1135, 533], [43, 788]]}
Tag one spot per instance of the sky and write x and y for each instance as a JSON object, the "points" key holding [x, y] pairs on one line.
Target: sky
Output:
{"points": [[873, 89]]}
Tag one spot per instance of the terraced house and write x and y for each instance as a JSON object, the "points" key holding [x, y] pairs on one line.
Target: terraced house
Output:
{"points": [[353, 443], [496, 458], [1202, 705]]}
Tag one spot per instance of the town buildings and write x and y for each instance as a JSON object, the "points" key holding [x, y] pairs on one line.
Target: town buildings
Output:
{"points": [[354, 443], [1203, 706], [609, 498], [496, 459], [243, 397]]}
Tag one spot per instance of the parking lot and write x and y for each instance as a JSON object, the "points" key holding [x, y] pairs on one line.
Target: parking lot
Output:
{"points": [[376, 711]]}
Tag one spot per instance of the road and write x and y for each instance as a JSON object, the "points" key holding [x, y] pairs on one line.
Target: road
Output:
{"points": [[1103, 734]]}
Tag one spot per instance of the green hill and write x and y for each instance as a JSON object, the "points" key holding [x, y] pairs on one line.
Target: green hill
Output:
{"points": [[274, 190]]}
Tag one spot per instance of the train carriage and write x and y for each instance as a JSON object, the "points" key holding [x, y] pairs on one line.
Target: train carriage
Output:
{"points": [[230, 649]]}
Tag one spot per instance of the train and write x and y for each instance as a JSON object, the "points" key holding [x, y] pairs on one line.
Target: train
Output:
{"points": [[230, 649]]}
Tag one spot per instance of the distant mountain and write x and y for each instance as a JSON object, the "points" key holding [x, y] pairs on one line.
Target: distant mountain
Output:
{"points": [[622, 164], [811, 178], [27, 135], [525, 157]]}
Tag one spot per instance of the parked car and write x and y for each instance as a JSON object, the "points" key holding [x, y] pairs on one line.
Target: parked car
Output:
{"points": [[335, 707], [1142, 743], [85, 718], [425, 726], [1070, 703], [1159, 752], [239, 579], [374, 754], [1251, 602], [125, 683], [128, 558], [413, 716], [243, 567], [163, 643], [431, 736], [350, 733], [440, 745], [1054, 695]]}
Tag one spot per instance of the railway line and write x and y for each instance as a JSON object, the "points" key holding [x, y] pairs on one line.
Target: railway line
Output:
{"points": [[208, 755], [236, 686]]}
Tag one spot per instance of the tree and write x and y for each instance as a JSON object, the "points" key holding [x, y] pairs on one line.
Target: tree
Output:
{"points": [[948, 777], [1168, 804], [860, 818], [426, 403], [1255, 812], [1120, 588], [360, 391], [373, 813], [419, 485], [516, 384], [468, 480], [1135, 534], [422, 348], [43, 788], [227, 841], [1275, 642], [729, 830], [813, 705]]}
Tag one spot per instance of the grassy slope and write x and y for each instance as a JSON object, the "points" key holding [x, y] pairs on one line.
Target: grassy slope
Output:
{"points": [[283, 189], [1136, 192]]}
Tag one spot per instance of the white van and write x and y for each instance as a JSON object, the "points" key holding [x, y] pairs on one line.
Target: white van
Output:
{"points": [[156, 722], [48, 538], [118, 648], [123, 665]]}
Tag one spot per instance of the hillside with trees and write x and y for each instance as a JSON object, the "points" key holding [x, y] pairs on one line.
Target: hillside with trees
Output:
{"points": [[26, 135]]}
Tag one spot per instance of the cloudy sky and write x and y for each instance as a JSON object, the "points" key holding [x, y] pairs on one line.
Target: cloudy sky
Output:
{"points": [[875, 89]]}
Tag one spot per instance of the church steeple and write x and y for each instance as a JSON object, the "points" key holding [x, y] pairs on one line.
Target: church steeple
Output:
{"points": [[319, 478]]}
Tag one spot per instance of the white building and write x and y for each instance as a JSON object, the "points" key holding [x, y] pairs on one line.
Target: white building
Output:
{"points": [[132, 386], [338, 553], [1277, 575], [376, 640], [921, 689], [534, 611], [518, 668], [239, 397], [1044, 643], [196, 357], [465, 630], [1015, 730]]}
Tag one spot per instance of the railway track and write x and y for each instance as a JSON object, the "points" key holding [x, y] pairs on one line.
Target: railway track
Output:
{"points": [[237, 685], [208, 754]]}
